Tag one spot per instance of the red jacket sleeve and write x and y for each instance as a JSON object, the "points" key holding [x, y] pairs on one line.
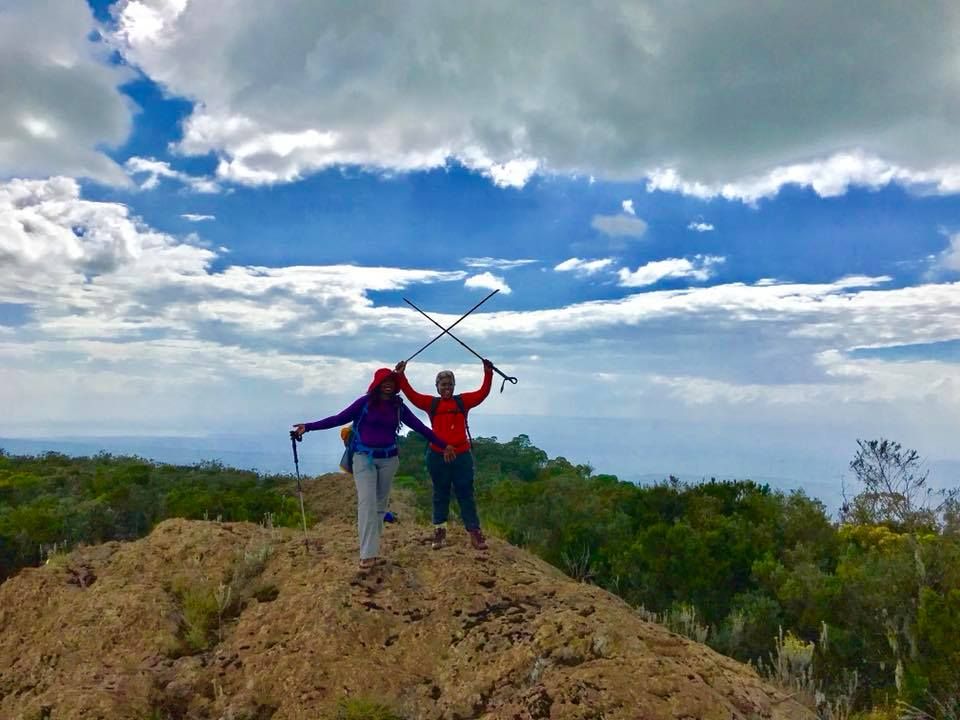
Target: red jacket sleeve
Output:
{"points": [[472, 399], [418, 400]]}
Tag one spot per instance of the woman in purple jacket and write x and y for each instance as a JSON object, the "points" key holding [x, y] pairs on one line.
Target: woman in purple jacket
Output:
{"points": [[376, 417]]}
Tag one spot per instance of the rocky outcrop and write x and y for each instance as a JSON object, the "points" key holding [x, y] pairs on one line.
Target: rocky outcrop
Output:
{"points": [[117, 631]]}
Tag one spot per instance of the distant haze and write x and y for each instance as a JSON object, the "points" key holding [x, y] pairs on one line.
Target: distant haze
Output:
{"points": [[611, 446]]}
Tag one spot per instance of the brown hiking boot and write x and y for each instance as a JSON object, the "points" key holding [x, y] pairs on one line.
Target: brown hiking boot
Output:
{"points": [[477, 539], [439, 538]]}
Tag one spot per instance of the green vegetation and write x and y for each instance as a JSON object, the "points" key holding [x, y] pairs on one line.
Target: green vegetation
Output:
{"points": [[860, 614], [205, 607], [53, 501], [865, 611], [364, 709]]}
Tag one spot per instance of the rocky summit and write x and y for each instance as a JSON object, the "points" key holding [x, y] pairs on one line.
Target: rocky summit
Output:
{"points": [[203, 619]]}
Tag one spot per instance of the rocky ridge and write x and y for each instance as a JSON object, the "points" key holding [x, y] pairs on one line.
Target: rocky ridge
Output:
{"points": [[117, 631]]}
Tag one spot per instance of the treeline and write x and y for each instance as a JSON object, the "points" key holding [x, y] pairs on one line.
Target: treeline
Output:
{"points": [[870, 605], [53, 501]]}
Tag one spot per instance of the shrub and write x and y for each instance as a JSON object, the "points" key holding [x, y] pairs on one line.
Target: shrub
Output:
{"points": [[365, 709]]}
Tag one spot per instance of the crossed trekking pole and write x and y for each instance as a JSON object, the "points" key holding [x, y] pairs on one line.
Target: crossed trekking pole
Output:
{"points": [[446, 331]]}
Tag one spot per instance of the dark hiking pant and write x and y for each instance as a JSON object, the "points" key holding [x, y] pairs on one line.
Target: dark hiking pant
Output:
{"points": [[459, 476]]}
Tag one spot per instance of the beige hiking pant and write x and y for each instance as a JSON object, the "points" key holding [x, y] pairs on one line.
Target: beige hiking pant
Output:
{"points": [[373, 478]]}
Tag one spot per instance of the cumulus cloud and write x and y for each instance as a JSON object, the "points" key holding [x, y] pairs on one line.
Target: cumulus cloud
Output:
{"points": [[60, 103], [496, 263], [134, 327], [849, 311], [584, 267], [509, 90], [700, 268], [90, 269], [192, 217], [49, 238], [700, 226], [488, 281], [622, 225], [157, 169]]}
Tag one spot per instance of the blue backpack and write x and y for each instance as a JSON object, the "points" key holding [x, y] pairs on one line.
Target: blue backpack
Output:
{"points": [[351, 439]]}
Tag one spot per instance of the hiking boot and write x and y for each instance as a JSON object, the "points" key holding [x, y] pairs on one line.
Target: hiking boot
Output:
{"points": [[439, 538], [477, 539]]}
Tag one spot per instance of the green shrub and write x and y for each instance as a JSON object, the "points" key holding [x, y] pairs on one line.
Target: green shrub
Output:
{"points": [[199, 611], [364, 709]]}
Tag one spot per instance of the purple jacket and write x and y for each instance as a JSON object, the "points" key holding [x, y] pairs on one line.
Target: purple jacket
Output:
{"points": [[379, 426]]}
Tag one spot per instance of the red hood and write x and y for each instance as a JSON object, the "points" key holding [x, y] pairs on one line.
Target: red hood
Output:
{"points": [[379, 376]]}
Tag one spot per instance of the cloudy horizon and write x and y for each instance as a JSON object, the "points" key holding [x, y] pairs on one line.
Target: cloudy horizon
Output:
{"points": [[209, 221]]}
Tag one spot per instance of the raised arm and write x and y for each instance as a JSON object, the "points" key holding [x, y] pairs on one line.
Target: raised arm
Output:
{"points": [[472, 399], [415, 398], [344, 416]]}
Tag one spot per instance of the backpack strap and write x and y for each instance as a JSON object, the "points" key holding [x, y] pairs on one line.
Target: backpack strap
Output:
{"points": [[355, 433], [463, 410], [355, 441], [458, 399]]}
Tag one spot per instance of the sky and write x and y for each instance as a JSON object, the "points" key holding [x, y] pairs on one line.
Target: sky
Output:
{"points": [[726, 237]]}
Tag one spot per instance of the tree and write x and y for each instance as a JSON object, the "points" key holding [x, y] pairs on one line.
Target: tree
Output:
{"points": [[895, 489]]}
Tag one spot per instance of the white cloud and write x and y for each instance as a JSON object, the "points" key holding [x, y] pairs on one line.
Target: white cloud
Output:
{"points": [[506, 90], [628, 207], [949, 259], [129, 327], [488, 281], [156, 169], [89, 269], [829, 177], [879, 381], [584, 267], [513, 173], [61, 104], [192, 217], [700, 226], [496, 263], [50, 240], [619, 225], [847, 313], [699, 268]]}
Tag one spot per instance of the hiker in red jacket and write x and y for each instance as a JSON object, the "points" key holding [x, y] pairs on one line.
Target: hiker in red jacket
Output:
{"points": [[448, 416]]}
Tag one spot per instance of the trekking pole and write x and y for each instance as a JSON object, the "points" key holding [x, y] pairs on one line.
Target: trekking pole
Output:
{"points": [[506, 378], [294, 439], [446, 330]]}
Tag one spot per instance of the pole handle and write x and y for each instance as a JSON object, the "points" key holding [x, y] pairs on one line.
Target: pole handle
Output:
{"points": [[294, 439], [506, 378]]}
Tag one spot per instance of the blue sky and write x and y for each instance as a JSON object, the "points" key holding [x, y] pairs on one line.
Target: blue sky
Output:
{"points": [[727, 242]]}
